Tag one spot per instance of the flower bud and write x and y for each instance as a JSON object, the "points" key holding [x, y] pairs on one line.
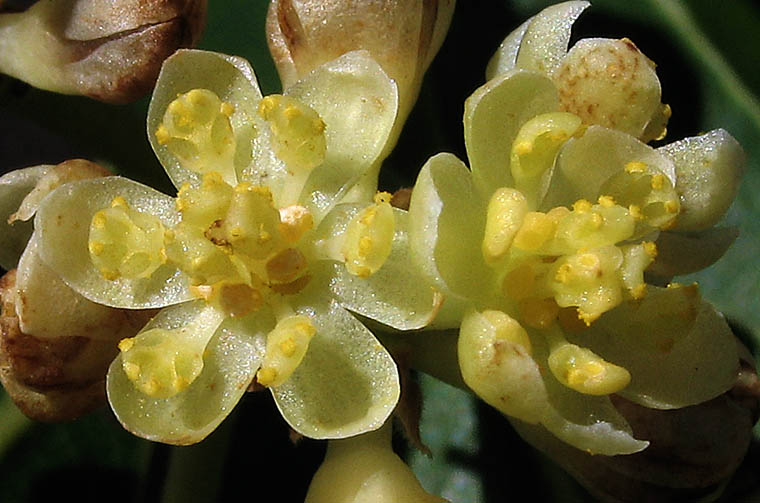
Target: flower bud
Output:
{"points": [[107, 50], [402, 36], [365, 469]]}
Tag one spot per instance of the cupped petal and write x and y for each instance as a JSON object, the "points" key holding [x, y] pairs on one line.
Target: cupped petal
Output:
{"points": [[230, 361], [347, 383], [14, 187], [684, 253], [231, 78], [709, 169], [446, 227], [396, 295], [678, 349], [505, 57], [544, 44], [493, 115], [63, 221], [358, 103], [586, 163]]}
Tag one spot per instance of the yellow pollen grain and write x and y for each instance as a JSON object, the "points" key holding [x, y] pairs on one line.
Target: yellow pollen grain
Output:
{"points": [[365, 246], [96, 247], [635, 211], [118, 202], [634, 167], [523, 148], [291, 112], [582, 205], [266, 376], [288, 347], [589, 260], [162, 135], [99, 221], [267, 106], [564, 273], [606, 201], [264, 235], [658, 181], [132, 370], [236, 231], [671, 206], [109, 275], [151, 387], [588, 318], [639, 291], [382, 197], [227, 109], [650, 248], [126, 344]]}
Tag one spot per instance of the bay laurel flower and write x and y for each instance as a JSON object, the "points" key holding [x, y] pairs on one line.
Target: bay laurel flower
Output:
{"points": [[255, 258], [55, 345], [557, 219], [110, 51], [403, 36], [365, 469]]}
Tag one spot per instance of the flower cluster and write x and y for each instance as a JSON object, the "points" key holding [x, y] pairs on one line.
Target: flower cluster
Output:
{"points": [[563, 211], [552, 255]]}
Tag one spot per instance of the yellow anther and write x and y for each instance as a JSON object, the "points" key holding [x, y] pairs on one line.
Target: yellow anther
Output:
{"points": [[126, 344], [582, 205], [639, 291], [382, 197], [636, 167], [132, 370], [227, 109], [658, 181], [119, 202], [606, 201], [672, 206], [590, 261], [523, 147], [635, 211], [162, 135], [564, 273], [286, 347], [650, 248], [582, 370], [264, 235], [297, 131], [537, 228], [99, 221], [268, 104], [96, 247], [368, 239], [266, 376], [291, 112]]}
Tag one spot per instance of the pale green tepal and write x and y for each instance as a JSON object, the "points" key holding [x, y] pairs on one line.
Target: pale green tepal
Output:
{"points": [[540, 248], [256, 259]]}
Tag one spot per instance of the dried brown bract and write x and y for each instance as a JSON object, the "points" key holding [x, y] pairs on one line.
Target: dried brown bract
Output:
{"points": [[108, 50]]}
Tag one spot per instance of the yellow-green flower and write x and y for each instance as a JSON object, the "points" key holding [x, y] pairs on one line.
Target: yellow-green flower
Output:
{"points": [[256, 258], [541, 247]]}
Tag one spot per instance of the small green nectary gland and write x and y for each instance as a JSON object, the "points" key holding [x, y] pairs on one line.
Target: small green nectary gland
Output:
{"points": [[369, 237], [298, 135], [196, 129], [580, 369], [126, 243], [286, 347]]}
